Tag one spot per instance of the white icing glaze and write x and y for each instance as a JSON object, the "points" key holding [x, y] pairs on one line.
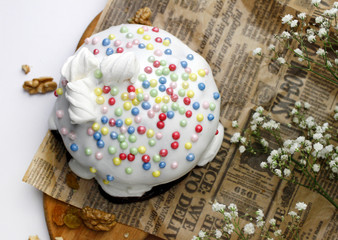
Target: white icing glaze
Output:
{"points": [[81, 110]]}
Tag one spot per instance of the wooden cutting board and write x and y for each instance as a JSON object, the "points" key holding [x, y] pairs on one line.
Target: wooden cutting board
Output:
{"points": [[119, 232]]}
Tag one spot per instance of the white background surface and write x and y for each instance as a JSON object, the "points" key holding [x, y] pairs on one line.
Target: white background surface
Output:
{"points": [[42, 34]]}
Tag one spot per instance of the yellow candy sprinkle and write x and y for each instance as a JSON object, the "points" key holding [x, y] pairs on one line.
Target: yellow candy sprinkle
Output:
{"points": [[199, 117], [146, 37], [150, 46], [100, 100], [142, 149], [105, 181], [104, 131], [128, 121], [153, 83], [185, 85], [96, 126], [158, 99], [92, 170], [193, 77], [201, 72], [98, 91], [166, 42], [156, 173], [127, 105], [116, 161], [150, 133], [190, 93], [124, 96], [59, 91], [138, 90], [188, 145], [166, 99], [111, 36], [135, 102], [140, 31]]}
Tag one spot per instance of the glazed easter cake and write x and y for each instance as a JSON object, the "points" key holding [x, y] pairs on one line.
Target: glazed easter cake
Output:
{"points": [[137, 108]]}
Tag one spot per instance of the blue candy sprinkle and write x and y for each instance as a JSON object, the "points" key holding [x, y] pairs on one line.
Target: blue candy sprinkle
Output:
{"points": [[190, 157], [105, 42], [216, 95], [146, 105], [119, 123], [146, 166], [201, 86], [97, 136], [110, 178], [190, 57], [196, 105], [100, 143], [141, 46], [74, 147], [104, 119], [131, 130], [162, 88], [113, 135], [162, 164], [210, 117], [109, 51], [145, 84], [135, 111], [168, 52], [184, 64], [162, 80], [167, 38], [170, 114]]}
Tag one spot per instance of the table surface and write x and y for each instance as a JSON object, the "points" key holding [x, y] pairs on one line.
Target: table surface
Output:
{"points": [[41, 34]]}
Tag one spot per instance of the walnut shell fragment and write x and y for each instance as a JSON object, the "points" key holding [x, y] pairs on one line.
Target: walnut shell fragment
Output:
{"points": [[142, 16], [40, 85], [98, 220]]}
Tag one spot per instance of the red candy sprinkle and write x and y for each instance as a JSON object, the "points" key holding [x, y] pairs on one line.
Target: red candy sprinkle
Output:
{"points": [[145, 158], [158, 39], [160, 124], [176, 135], [55, 94], [96, 51], [172, 67], [131, 88], [141, 129], [188, 114], [156, 63], [119, 50], [123, 156], [174, 97], [162, 117], [186, 101], [174, 145], [106, 89], [148, 69], [198, 128], [112, 122], [155, 29], [216, 132], [170, 91], [163, 152], [111, 101], [131, 157]]}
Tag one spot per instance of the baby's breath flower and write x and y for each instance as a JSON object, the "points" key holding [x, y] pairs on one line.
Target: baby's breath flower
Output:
{"points": [[287, 18], [249, 229], [278, 232], [235, 138], [300, 206], [285, 35], [234, 124], [229, 228], [201, 234], [272, 221], [328, 63], [301, 16], [294, 111], [317, 146], [298, 104], [195, 238], [264, 142], [281, 60], [286, 172], [257, 51], [264, 165], [335, 116], [271, 47], [322, 32], [294, 23], [299, 52], [218, 207], [242, 140], [242, 149], [320, 52], [316, 167], [278, 172], [292, 213], [311, 38], [307, 105], [336, 61], [315, 2], [260, 109], [319, 19], [218, 233], [335, 4], [253, 127]]}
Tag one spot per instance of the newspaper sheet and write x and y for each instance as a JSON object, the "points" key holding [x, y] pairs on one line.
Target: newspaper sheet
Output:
{"points": [[225, 33]]}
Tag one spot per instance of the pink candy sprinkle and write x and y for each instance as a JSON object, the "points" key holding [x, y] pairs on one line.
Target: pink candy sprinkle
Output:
{"points": [[72, 136], [117, 43], [123, 129], [156, 107], [194, 137], [145, 96], [87, 41], [129, 45], [151, 113], [59, 113], [104, 109], [188, 70], [206, 71], [64, 131], [205, 105], [148, 69], [136, 42], [132, 95], [98, 155], [174, 165], [173, 85], [158, 52], [90, 131], [145, 28], [159, 135], [138, 119], [64, 82], [95, 40]]}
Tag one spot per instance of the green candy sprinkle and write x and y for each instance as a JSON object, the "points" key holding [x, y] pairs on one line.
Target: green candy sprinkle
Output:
{"points": [[139, 97], [121, 138], [183, 123], [185, 76], [132, 138], [114, 91], [158, 72], [163, 62], [151, 59], [130, 35], [123, 145], [123, 29], [156, 158], [151, 142], [133, 150], [164, 108], [142, 77], [88, 151], [173, 77], [111, 150], [212, 106], [181, 92], [153, 92], [118, 112], [98, 74], [174, 106], [129, 170], [181, 110], [165, 71]]}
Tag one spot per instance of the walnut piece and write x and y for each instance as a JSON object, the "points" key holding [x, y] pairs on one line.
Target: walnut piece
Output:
{"points": [[97, 220], [26, 68], [35, 237], [40, 85], [142, 16]]}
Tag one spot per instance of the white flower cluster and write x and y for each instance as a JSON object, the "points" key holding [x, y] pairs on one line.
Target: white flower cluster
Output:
{"points": [[232, 224]]}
